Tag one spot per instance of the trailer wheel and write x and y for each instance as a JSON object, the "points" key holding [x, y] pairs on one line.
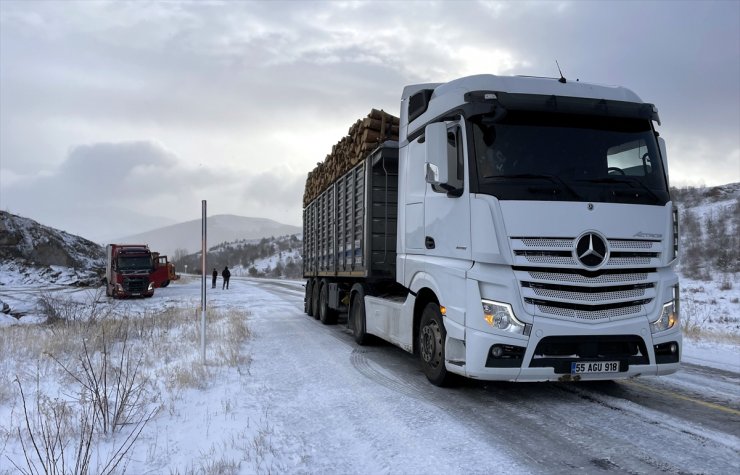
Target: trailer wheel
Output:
{"points": [[357, 315], [308, 304], [432, 336], [328, 316], [165, 283], [315, 299]]}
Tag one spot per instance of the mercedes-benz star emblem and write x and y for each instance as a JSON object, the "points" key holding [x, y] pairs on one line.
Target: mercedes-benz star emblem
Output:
{"points": [[591, 250]]}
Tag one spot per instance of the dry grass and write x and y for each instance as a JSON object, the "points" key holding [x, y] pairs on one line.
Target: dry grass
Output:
{"points": [[695, 316], [149, 358]]}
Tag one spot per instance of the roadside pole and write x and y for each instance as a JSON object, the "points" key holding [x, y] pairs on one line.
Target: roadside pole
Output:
{"points": [[203, 287]]}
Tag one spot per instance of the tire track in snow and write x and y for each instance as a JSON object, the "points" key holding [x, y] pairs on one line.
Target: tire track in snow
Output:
{"points": [[568, 427], [524, 414]]}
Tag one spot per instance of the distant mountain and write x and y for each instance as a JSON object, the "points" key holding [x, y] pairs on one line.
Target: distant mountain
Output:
{"points": [[221, 228], [33, 253]]}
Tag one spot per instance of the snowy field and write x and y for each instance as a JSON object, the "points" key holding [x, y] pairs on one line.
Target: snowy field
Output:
{"points": [[281, 393]]}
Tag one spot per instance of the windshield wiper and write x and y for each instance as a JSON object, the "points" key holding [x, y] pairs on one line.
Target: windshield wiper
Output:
{"points": [[625, 181], [551, 178]]}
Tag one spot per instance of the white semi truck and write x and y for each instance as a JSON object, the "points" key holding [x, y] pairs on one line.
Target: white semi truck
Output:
{"points": [[520, 229]]}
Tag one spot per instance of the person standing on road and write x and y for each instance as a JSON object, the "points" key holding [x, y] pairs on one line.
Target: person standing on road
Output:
{"points": [[225, 274], [215, 276]]}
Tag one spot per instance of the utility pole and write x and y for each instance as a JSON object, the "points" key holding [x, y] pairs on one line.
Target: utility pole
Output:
{"points": [[203, 286]]}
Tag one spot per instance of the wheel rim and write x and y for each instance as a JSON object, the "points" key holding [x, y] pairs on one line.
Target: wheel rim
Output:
{"points": [[431, 344]]}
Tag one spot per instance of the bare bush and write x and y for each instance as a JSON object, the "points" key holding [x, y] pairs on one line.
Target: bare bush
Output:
{"points": [[108, 369], [64, 309], [59, 437], [112, 379], [46, 435], [693, 317]]}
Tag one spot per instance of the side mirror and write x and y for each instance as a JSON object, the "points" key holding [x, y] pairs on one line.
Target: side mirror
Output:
{"points": [[664, 154], [435, 164]]}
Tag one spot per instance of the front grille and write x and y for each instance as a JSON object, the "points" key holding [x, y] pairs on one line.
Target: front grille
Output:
{"points": [[559, 252], [572, 296], [589, 315], [547, 242], [588, 294], [135, 284], [555, 284], [576, 278], [631, 244]]}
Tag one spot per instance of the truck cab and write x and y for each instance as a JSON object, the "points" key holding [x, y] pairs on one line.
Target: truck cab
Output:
{"points": [[163, 271], [127, 272], [535, 216]]}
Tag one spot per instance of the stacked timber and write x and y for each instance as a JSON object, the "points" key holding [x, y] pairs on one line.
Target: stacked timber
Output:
{"points": [[363, 137]]}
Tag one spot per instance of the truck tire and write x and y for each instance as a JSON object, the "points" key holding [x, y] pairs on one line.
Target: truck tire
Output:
{"points": [[328, 316], [315, 299], [308, 303], [357, 321], [165, 283], [431, 343]]}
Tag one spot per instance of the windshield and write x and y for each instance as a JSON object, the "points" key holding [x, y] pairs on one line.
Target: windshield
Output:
{"points": [[566, 157], [134, 263]]}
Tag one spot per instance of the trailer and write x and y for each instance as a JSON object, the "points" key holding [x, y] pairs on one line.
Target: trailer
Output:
{"points": [[350, 234]]}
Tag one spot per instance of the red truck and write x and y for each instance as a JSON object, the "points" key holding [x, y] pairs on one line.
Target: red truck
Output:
{"points": [[163, 271], [127, 271]]}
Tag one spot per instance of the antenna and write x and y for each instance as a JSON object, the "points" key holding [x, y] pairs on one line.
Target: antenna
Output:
{"points": [[562, 78]]}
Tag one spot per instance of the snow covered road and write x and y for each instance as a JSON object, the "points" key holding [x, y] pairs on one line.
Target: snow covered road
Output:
{"points": [[370, 409], [313, 401]]}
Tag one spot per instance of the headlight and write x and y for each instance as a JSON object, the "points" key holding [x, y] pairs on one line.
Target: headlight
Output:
{"points": [[668, 316], [500, 316], [151, 285]]}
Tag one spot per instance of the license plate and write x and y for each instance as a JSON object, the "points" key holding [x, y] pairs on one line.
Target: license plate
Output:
{"points": [[594, 367]]}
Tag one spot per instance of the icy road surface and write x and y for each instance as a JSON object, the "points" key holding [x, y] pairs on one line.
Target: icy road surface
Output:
{"points": [[370, 409], [328, 405]]}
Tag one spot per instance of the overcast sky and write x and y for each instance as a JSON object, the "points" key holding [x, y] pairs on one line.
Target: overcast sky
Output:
{"points": [[119, 117]]}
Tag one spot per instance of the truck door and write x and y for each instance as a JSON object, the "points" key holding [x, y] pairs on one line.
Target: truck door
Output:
{"points": [[414, 190], [447, 213]]}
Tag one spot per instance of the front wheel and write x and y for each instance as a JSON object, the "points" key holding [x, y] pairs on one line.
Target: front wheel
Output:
{"points": [[432, 336]]}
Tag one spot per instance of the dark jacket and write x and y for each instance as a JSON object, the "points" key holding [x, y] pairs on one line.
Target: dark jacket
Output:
{"points": [[226, 274]]}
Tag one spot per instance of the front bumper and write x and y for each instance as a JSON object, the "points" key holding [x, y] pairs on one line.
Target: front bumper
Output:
{"points": [[606, 345]]}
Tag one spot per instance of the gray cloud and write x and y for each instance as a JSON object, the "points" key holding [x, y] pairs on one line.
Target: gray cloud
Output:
{"points": [[235, 102]]}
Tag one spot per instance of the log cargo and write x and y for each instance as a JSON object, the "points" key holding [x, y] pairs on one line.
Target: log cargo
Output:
{"points": [[362, 138]]}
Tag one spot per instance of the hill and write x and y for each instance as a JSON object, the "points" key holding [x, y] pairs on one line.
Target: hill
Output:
{"points": [[279, 257], [185, 238], [709, 220], [32, 253]]}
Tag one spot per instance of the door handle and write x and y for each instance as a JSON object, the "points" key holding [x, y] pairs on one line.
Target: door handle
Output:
{"points": [[429, 242]]}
